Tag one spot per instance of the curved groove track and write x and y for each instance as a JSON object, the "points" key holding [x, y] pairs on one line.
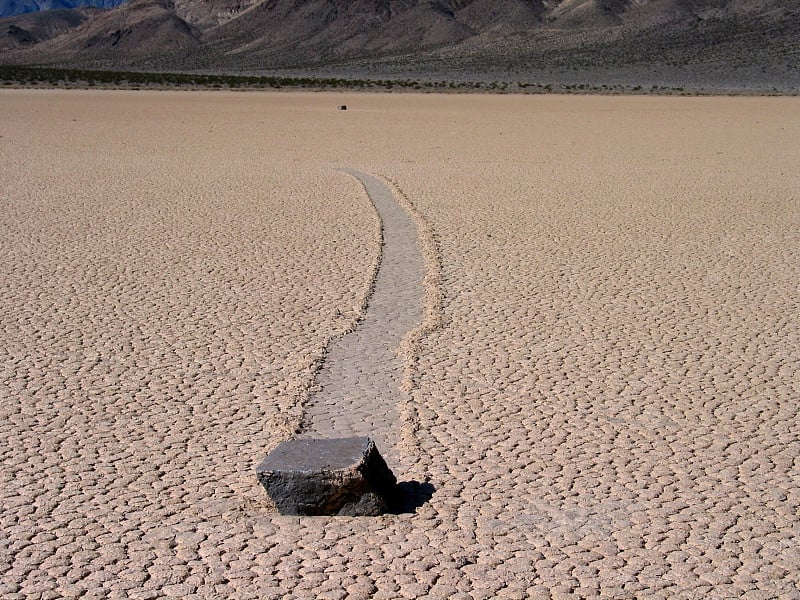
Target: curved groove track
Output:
{"points": [[358, 386]]}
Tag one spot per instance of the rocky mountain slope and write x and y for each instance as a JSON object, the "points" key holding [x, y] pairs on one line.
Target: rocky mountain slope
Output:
{"points": [[10, 8], [509, 38]]}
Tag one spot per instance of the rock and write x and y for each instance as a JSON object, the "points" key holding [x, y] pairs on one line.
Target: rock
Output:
{"points": [[344, 476]]}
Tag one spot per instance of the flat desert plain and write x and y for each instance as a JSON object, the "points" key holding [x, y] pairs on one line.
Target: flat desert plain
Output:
{"points": [[602, 398]]}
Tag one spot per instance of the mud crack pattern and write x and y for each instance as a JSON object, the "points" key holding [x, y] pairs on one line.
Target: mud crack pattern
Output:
{"points": [[604, 395], [358, 388]]}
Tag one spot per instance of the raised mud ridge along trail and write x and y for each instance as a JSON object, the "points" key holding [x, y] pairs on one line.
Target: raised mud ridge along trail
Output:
{"points": [[357, 389]]}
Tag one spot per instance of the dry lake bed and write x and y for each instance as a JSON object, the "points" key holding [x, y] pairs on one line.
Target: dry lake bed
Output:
{"points": [[596, 388]]}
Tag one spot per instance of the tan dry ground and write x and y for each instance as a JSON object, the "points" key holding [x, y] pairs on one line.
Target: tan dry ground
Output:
{"points": [[610, 407]]}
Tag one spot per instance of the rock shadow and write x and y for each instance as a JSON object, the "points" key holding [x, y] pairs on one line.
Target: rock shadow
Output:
{"points": [[410, 496]]}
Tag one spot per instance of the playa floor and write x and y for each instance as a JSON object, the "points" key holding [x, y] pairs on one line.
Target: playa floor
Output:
{"points": [[601, 398]]}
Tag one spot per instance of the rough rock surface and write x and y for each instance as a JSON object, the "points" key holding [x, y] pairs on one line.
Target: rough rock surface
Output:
{"points": [[345, 476]]}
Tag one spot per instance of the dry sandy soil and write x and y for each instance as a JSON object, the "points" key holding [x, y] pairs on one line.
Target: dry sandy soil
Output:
{"points": [[604, 395]]}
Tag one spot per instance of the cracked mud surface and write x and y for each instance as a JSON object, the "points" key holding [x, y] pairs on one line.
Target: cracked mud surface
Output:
{"points": [[607, 407], [360, 380]]}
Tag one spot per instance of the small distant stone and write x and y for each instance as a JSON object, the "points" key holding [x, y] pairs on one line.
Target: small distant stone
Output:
{"points": [[343, 476], [343, 107]]}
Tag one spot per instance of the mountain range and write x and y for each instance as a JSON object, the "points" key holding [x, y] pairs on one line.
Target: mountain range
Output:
{"points": [[10, 8], [714, 41]]}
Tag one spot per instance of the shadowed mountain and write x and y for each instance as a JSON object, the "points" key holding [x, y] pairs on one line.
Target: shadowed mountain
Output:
{"points": [[33, 28], [9, 8], [139, 28]]}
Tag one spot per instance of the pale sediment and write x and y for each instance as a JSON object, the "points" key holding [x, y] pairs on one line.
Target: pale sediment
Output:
{"points": [[433, 304], [358, 388], [603, 391]]}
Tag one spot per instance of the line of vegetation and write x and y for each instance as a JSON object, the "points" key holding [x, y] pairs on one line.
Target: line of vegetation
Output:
{"points": [[35, 76], [51, 76]]}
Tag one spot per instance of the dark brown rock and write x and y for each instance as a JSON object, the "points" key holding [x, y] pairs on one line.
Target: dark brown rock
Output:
{"points": [[344, 476]]}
